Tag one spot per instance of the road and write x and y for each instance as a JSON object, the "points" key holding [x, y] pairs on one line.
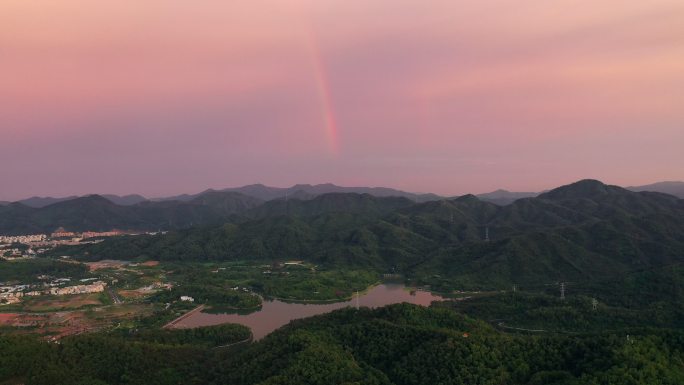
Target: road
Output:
{"points": [[503, 325], [246, 340], [115, 298]]}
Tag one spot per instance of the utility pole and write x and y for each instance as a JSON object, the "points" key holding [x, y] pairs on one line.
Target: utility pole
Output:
{"points": [[562, 287], [594, 303]]}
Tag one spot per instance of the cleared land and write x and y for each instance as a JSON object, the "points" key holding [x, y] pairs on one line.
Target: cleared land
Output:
{"points": [[66, 302]]}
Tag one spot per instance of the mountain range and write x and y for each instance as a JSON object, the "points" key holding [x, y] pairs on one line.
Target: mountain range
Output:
{"points": [[307, 191], [583, 231], [97, 213], [672, 188], [40, 202], [505, 197], [134, 212]]}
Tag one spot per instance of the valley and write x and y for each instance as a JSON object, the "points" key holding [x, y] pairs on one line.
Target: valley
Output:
{"points": [[365, 289]]}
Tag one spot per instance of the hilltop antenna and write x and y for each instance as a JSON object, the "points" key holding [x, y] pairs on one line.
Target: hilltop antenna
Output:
{"points": [[562, 288]]}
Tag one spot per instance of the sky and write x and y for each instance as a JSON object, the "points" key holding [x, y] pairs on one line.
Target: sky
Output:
{"points": [[161, 97]]}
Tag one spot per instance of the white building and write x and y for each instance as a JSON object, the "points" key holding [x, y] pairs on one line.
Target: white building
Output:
{"points": [[23, 238]]}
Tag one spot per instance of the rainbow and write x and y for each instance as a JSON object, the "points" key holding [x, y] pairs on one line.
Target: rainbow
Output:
{"points": [[325, 95]]}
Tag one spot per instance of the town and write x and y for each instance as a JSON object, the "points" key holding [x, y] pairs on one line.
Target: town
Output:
{"points": [[12, 294], [14, 247], [29, 246]]}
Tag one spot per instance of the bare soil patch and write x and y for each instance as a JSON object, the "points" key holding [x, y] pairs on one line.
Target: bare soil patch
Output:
{"points": [[63, 302]]}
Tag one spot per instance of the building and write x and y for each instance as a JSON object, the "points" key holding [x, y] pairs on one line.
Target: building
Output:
{"points": [[95, 287], [187, 299], [94, 234], [62, 233], [26, 239]]}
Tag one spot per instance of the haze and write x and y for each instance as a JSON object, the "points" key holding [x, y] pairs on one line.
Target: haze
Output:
{"points": [[165, 96]]}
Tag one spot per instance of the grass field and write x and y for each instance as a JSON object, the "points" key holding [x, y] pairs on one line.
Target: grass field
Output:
{"points": [[66, 302]]}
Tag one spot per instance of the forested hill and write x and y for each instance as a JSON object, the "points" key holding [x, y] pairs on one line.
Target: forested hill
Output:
{"points": [[350, 203], [586, 230], [399, 344], [97, 213], [405, 344]]}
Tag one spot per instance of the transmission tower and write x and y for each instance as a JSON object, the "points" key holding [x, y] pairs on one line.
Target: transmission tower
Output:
{"points": [[562, 287]]}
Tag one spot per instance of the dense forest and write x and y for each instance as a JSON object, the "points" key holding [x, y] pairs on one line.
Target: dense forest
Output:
{"points": [[586, 231], [397, 344], [617, 253], [28, 271], [214, 296]]}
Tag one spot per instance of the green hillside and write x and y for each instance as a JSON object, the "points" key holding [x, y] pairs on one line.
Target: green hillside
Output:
{"points": [[580, 232], [398, 344]]}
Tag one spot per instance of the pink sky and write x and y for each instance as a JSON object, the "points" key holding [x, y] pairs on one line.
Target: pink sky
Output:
{"points": [[160, 97]]}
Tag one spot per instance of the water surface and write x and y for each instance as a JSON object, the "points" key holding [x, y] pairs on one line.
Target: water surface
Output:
{"points": [[275, 313]]}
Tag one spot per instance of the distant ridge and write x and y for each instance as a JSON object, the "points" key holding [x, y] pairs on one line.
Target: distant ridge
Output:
{"points": [[40, 202], [505, 197], [308, 191], [262, 192], [672, 187], [125, 200]]}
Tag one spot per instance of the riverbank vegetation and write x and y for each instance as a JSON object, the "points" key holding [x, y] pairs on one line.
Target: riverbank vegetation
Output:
{"points": [[296, 281]]}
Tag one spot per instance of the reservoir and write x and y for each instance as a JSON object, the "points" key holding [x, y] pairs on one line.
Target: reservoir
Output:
{"points": [[275, 313]]}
